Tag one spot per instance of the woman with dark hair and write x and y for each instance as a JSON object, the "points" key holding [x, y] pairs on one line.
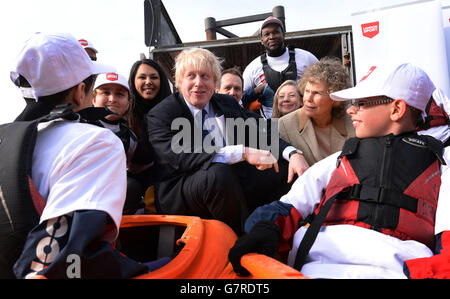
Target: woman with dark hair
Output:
{"points": [[148, 86]]}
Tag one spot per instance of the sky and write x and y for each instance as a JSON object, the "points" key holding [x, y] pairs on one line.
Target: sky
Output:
{"points": [[116, 27]]}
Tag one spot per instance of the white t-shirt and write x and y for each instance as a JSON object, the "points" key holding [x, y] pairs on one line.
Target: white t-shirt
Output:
{"points": [[79, 166], [348, 251]]}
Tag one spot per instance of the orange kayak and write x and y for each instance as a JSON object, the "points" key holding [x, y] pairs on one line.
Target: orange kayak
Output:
{"points": [[198, 248]]}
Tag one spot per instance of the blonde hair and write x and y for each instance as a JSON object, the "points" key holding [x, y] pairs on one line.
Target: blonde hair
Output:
{"points": [[275, 112], [199, 59]]}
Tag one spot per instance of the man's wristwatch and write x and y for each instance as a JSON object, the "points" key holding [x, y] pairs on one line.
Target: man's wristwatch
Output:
{"points": [[296, 151]]}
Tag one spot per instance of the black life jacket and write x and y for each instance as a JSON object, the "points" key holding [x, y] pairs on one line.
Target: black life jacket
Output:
{"points": [[20, 202], [389, 184], [274, 78]]}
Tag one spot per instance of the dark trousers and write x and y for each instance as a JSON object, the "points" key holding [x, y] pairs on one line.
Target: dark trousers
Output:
{"points": [[229, 193]]}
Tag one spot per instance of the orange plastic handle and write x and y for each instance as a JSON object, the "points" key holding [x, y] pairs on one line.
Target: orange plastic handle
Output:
{"points": [[263, 267]]}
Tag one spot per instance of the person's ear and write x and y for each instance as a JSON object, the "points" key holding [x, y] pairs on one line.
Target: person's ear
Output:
{"points": [[398, 109], [93, 98], [80, 94]]}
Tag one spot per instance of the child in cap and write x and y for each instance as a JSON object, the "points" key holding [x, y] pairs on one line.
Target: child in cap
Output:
{"points": [[79, 170], [111, 91], [376, 202], [90, 49]]}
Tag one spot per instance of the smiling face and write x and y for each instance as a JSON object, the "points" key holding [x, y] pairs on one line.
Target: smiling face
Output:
{"points": [[114, 97], [197, 86], [147, 82], [288, 99], [371, 121]]}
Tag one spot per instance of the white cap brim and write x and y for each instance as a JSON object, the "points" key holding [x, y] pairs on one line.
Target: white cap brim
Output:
{"points": [[356, 92], [98, 68]]}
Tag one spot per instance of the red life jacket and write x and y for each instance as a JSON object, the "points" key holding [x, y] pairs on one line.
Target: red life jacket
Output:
{"points": [[389, 184], [436, 116]]}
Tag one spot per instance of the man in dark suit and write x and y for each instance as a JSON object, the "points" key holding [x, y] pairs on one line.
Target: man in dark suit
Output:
{"points": [[224, 175]]}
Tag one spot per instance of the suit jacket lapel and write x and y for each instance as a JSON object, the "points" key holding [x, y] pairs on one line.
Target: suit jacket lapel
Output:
{"points": [[186, 111], [222, 109], [306, 130]]}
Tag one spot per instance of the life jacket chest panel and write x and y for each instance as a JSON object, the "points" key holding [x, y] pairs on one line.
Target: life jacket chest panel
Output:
{"points": [[274, 78], [389, 184]]}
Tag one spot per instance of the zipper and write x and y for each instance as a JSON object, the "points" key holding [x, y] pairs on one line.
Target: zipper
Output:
{"points": [[384, 180]]}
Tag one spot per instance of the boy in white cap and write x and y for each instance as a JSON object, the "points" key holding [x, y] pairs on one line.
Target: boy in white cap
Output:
{"points": [[90, 49], [111, 90], [78, 169], [375, 204]]}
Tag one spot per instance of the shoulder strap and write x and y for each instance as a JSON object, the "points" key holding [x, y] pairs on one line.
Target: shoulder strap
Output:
{"points": [[291, 54], [263, 59], [311, 234]]}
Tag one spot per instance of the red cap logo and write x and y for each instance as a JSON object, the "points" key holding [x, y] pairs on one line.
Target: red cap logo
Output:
{"points": [[368, 74], [370, 29], [112, 77], [83, 42]]}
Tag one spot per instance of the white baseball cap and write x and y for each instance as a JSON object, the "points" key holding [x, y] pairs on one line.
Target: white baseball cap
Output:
{"points": [[52, 63], [111, 78], [406, 81], [86, 44]]}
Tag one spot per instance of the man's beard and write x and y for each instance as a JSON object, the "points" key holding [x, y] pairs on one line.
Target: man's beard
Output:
{"points": [[276, 52]]}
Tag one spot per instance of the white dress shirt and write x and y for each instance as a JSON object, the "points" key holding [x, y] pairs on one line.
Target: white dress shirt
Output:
{"points": [[228, 154]]}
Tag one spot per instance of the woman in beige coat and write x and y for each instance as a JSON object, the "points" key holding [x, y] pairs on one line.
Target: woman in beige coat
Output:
{"points": [[321, 127]]}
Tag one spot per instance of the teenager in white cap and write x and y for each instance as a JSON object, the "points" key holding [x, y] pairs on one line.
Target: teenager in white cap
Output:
{"points": [[78, 169], [90, 49], [111, 90], [376, 202], [35, 108]]}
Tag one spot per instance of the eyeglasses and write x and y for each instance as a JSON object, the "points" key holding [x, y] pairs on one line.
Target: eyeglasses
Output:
{"points": [[380, 101]]}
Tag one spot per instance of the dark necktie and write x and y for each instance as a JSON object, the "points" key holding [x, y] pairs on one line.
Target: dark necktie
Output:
{"points": [[205, 130], [210, 129]]}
